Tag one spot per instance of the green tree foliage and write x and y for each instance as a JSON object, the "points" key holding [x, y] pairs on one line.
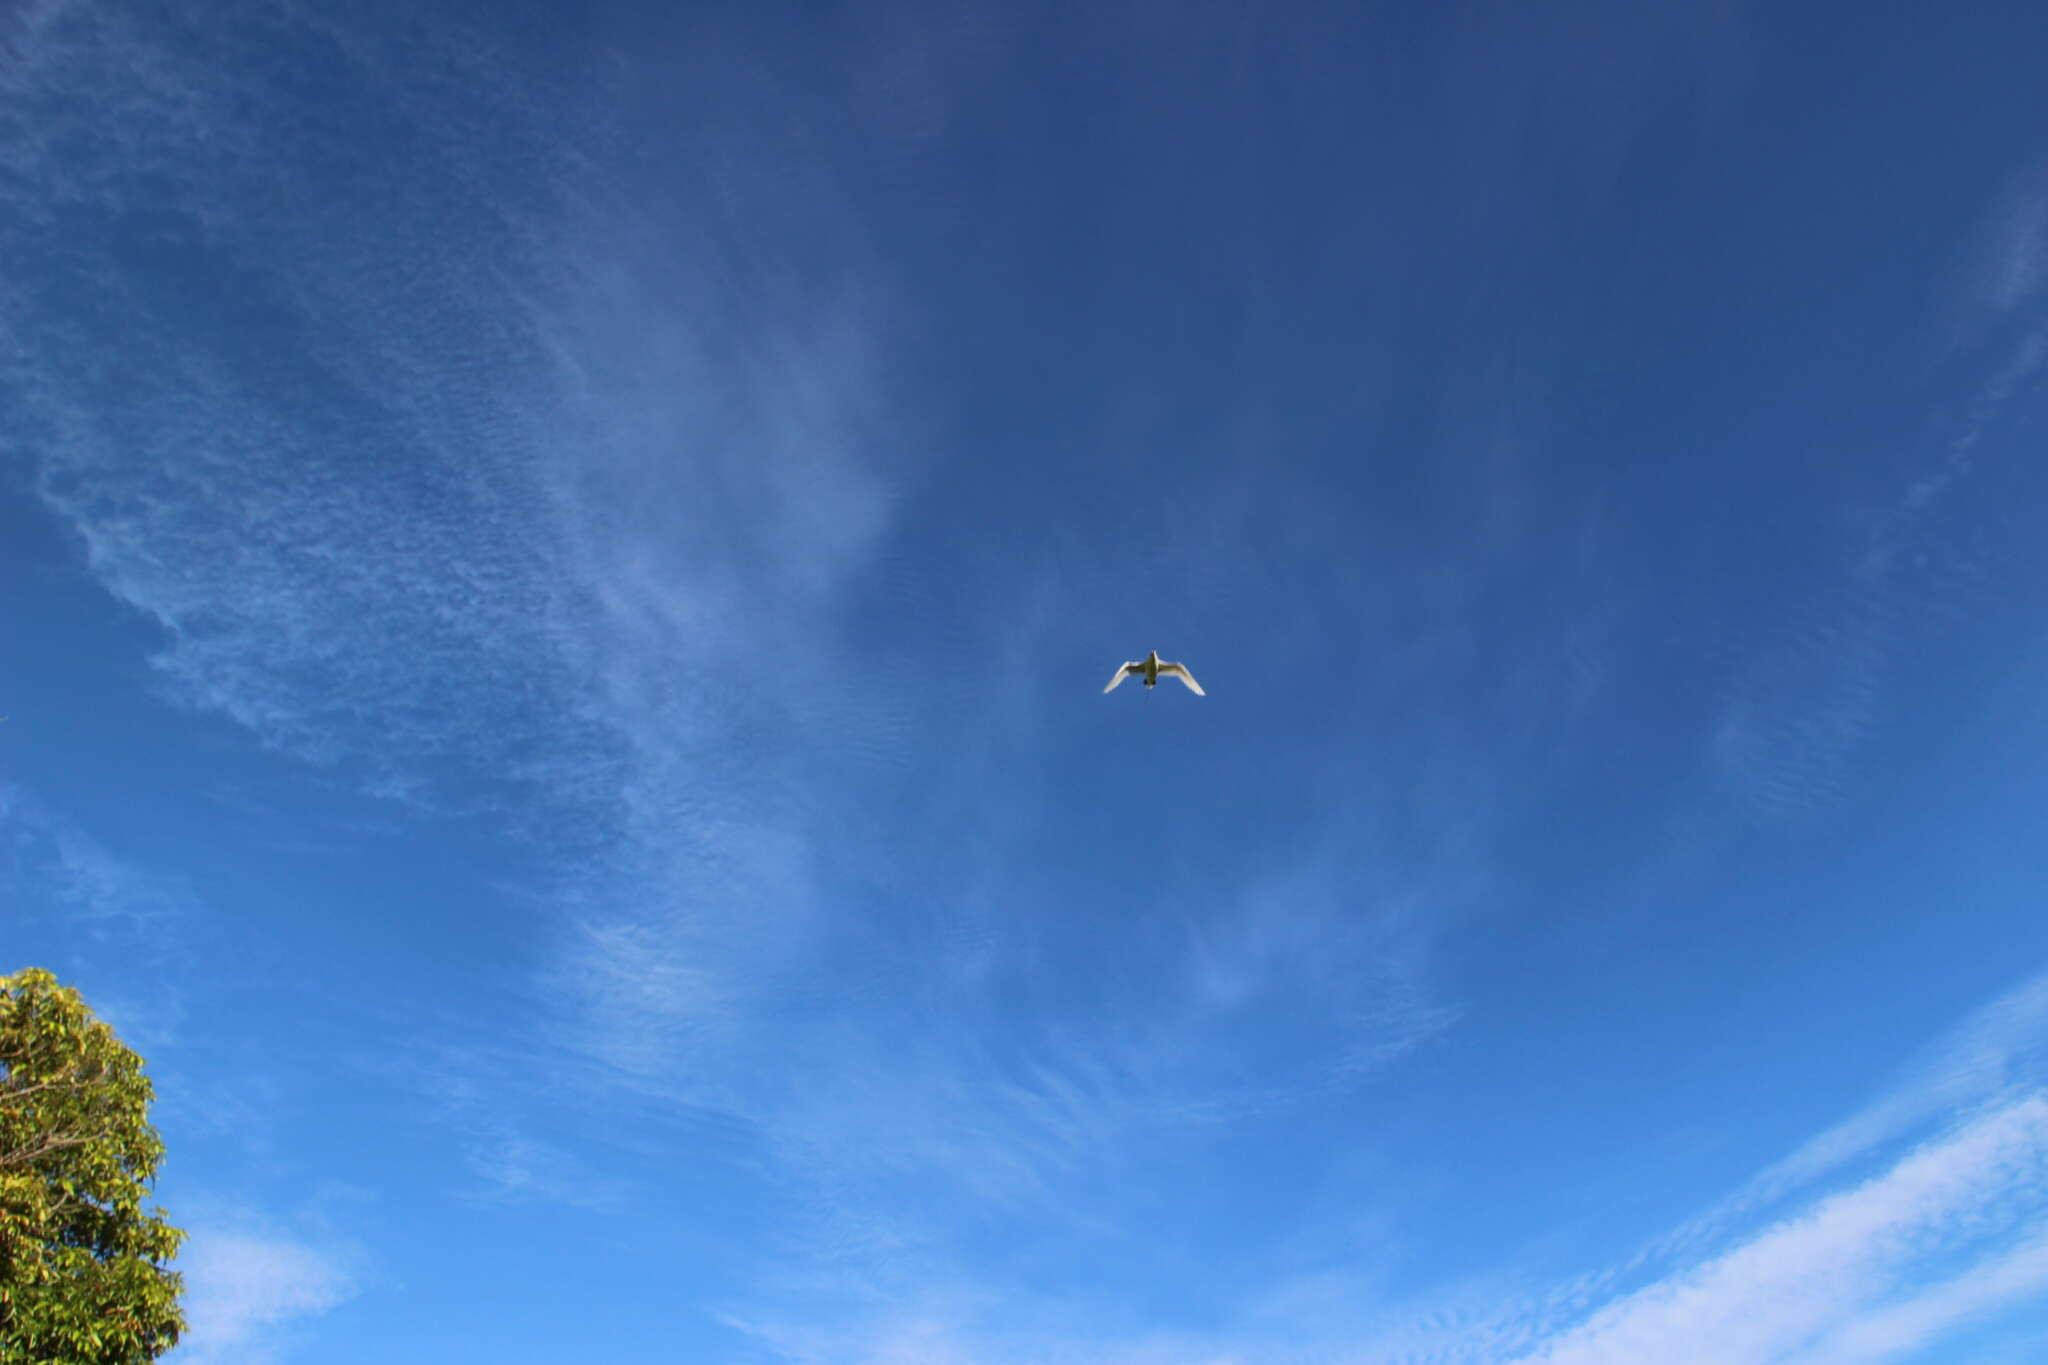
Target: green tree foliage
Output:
{"points": [[83, 1266]]}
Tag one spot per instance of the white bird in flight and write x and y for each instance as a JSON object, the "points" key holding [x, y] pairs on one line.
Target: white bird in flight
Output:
{"points": [[1152, 668]]}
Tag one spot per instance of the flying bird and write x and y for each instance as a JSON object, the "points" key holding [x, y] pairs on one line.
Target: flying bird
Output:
{"points": [[1152, 668]]}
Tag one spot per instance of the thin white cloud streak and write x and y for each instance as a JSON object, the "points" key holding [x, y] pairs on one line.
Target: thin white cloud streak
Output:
{"points": [[246, 1292], [516, 1166], [1998, 1052], [2002, 1282], [2009, 265], [1942, 1241], [1875, 1260], [1827, 1268], [1922, 1246], [2000, 1048]]}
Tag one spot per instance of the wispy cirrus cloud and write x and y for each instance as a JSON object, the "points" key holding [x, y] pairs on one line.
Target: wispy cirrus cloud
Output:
{"points": [[1942, 1241], [1915, 1220], [2003, 267], [1914, 1217], [465, 523], [534, 499], [1842, 1278], [460, 475], [2011, 1279], [1868, 1273], [318, 570], [1810, 687], [2001, 1049]]}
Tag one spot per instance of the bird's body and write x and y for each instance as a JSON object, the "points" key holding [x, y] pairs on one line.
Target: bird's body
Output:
{"points": [[1152, 668]]}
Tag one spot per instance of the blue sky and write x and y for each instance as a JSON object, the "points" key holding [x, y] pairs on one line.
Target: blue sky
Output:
{"points": [[558, 567]]}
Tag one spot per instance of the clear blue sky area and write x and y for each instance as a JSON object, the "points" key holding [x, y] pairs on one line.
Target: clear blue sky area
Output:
{"points": [[557, 569]]}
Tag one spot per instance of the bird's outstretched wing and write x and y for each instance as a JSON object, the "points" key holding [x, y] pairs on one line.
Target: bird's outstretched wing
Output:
{"points": [[1123, 671], [1181, 671]]}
